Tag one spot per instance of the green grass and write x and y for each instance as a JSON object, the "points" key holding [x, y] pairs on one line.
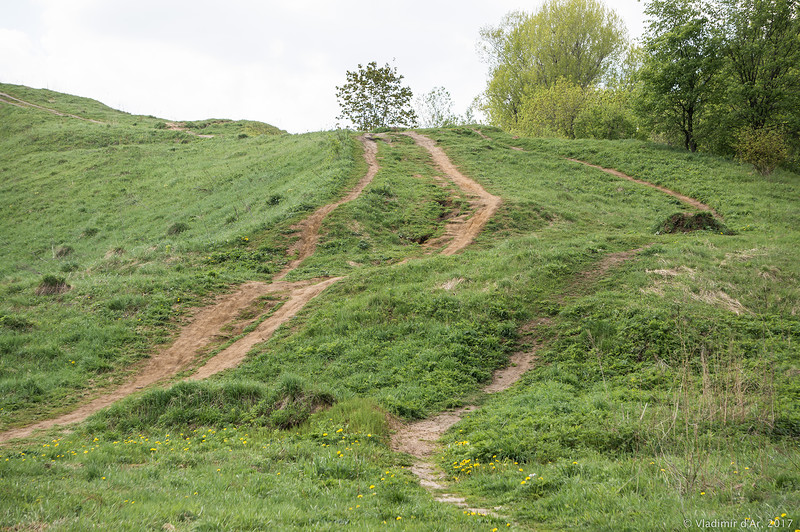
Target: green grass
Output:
{"points": [[142, 224], [664, 390]]}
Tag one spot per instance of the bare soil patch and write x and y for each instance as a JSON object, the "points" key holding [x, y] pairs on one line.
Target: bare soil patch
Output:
{"points": [[483, 204], [181, 126], [309, 228]]}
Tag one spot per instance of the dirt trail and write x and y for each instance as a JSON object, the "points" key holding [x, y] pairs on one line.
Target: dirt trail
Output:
{"points": [[309, 227], [419, 439], [301, 293], [7, 98], [207, 324], [483, 203], [686, 199]]}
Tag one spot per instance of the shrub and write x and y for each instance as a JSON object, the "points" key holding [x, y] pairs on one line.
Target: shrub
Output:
{"points": [[765, 149]]}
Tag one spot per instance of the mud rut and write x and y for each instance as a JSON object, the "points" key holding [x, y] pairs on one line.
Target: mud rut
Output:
{"points": [[418, 438]]}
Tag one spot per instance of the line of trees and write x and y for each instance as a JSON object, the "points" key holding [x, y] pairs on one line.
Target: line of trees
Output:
{"points": [[716, 75]]}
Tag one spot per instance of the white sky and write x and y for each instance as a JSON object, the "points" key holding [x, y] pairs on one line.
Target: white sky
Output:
{"points": [[277, 61]]}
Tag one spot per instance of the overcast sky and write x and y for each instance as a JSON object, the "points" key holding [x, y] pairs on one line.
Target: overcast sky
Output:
{"points": [[277, 61]]}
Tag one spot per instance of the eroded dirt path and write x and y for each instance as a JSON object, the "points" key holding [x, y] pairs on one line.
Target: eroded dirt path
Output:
{"points": [[11, 100], [483, 204], [208, 323], [686, 199], [309, 227], [419, 438]]}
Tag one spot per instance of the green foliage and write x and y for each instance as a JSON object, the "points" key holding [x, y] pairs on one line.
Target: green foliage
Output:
{"points": [[374, 97], [571, 40], [683, 57], [762, 52], [607, 114], [142, 227], [765, 149], [715, 68], [191, 404], [551, 111]]}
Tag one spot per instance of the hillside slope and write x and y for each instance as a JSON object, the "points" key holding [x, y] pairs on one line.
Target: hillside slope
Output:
{"points": [[663, 389]]}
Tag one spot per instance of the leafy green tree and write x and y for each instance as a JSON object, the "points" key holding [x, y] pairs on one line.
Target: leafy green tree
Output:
{"points": [[682, 60], [607, 114], [551, 111], [573, 40], [762, 47], [374, 97]]}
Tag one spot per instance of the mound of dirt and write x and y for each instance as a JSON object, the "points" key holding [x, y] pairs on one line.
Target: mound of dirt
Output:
{"points": [[688, 222], [52, 285]]}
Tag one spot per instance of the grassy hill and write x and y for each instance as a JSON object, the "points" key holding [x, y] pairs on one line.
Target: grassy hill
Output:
{"points": [[666, 382]]}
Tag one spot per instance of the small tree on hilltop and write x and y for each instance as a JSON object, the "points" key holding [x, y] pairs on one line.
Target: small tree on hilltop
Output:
{"points": [[435, 108], [374, 97]]}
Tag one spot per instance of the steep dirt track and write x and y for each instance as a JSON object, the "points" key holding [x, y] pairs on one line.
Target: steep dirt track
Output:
{"points": [[207, 324], [301, 293], [483, 203], [309, 228], [7, 98]]}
